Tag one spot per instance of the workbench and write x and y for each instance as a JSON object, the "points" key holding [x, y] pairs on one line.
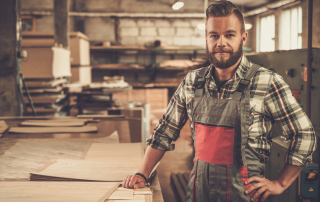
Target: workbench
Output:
{"points": [[52, 146]]}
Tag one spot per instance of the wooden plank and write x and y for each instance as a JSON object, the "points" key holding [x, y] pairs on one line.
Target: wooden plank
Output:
{"points": [[27, 191], [82, 129], [53, 124], [106, 195], [112, 171], [20, 158], [103, 162], [118, 66], [100, 116], [43, 84]]}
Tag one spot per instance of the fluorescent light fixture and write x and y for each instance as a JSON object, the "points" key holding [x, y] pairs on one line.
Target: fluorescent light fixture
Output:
{"points": [[201, 26], [248, 26], [177, 5]]}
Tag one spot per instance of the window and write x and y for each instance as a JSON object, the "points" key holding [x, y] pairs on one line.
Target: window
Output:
{"points": [[267, 33], [28, 23], [291, 29]]}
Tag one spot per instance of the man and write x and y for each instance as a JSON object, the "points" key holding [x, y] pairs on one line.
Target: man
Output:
{"points": [[232, 105]]}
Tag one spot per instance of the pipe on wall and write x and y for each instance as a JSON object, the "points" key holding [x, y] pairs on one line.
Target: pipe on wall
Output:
{"points": [[309, 59]]}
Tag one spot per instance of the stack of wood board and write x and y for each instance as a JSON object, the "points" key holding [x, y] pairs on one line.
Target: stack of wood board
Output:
{"points": [[80, 70], [48, 97], [70, 191], [103, 162], [157, 98], [53, 126]]}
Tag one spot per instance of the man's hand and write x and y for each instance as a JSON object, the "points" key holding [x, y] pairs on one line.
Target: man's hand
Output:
{"points": [[263, 188], [133, 181]]}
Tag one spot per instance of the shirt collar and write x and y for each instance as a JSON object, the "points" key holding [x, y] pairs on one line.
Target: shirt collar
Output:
{"points": [[241, 70]]}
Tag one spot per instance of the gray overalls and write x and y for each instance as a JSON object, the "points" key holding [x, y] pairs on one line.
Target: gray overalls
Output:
{"points": [[223, 158]]}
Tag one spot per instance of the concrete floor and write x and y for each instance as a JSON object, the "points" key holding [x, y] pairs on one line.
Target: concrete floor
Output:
{"points": [[178, 160]]}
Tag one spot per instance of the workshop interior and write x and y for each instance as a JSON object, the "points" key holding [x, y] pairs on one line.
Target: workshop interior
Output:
{"points": [[83, 83]]}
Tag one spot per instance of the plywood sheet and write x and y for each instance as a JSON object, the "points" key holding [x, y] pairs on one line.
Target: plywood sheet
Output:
{"points": [[100, 116], [21, 157], [82, 129], [123, 152], [103, 162], [53, 123], [87, 170], [27, 191]]}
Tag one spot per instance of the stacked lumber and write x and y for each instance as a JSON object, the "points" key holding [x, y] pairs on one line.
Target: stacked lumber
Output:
{"points": [[96, 97], [70, 191], [47, 96], [157, 97]]}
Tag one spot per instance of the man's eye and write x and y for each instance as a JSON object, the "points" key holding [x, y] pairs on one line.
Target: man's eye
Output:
{"points": [[229, 35], [215, 36]]}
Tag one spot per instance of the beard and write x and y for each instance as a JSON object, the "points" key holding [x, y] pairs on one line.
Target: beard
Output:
{"points": [[222, 63]]}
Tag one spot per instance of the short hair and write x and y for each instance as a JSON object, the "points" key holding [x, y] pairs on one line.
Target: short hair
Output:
{"points": [[225, 8]]}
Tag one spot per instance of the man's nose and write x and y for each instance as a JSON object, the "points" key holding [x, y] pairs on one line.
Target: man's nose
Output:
{"points": [[221, 42]]}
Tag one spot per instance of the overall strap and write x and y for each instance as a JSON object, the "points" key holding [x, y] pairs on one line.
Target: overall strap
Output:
{"points": [[243, 83], [200, 81]]}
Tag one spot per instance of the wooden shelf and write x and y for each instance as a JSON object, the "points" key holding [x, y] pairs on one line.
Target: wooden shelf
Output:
{"points": [[118, 66]]}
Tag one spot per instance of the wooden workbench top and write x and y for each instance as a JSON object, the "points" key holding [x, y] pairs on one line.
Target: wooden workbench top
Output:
{"points": [[29, 152]]}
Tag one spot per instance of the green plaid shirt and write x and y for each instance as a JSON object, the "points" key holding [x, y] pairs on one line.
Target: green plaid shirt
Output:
{"points": [[271, 101]]}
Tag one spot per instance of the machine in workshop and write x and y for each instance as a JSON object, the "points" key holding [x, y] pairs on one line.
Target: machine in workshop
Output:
{"points": [[292, 66]]}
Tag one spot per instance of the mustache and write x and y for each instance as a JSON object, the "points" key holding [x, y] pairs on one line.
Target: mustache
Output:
{"points": [[222, 50]]}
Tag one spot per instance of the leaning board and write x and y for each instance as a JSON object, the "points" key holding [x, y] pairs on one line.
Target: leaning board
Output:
{"points": [[103, 162]]}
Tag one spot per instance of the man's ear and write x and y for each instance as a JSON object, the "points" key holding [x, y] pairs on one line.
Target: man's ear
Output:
{"points": [[244, 37]]}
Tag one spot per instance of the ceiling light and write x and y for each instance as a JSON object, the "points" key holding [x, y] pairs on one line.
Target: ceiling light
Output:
{"points": [[177, 5], [248, 26], [201, 26]]}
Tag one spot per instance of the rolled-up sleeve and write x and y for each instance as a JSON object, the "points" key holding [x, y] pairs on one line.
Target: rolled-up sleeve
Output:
{"points": [[169, 126], [285, 110]]}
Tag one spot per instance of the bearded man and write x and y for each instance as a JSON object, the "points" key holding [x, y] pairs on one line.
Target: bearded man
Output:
{"points": [[233, 105]]}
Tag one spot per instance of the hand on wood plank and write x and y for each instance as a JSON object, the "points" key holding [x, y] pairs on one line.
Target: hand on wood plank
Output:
{"points": [[133, 181]]}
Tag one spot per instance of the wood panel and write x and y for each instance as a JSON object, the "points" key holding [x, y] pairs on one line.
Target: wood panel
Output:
{"points": [[53, 124], [103, 162], [33, 130], [21, 157], [101, 116], [87, 170], [53, 191]]}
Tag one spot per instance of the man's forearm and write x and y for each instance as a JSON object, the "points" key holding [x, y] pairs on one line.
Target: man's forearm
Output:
{"points": [[151, 158], [288, 174], [264, 187]]}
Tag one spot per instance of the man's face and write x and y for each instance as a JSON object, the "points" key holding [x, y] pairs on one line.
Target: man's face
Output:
{"points": [[224, 41]]}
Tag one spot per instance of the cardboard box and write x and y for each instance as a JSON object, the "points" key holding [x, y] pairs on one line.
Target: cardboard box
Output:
{"points": [[46, 63], [81, 74], [79, 45], [80, 49]]}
